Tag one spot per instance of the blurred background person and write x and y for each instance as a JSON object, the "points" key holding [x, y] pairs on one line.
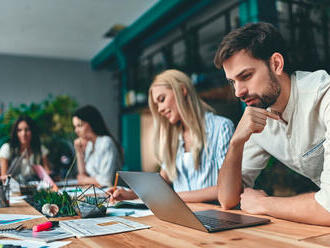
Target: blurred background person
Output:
{"points": [[23, 151], [99, 155]]}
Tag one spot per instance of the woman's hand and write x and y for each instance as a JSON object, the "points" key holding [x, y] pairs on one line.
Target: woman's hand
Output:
{"points": [[84, 179], [80, 145], [3, 178], [120, 194]]}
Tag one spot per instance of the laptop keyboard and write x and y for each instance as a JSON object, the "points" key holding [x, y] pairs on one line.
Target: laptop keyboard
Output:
{"points": [[212, 223]]}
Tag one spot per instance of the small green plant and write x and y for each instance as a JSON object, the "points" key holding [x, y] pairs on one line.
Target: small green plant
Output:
{"points": [[62, 200]]}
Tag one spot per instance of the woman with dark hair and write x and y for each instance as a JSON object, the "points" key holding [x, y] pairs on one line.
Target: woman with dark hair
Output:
{"points": [[99, 156], [23, 151]]}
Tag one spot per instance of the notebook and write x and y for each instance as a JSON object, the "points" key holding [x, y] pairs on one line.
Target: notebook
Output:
{"points": [[168, 206]]}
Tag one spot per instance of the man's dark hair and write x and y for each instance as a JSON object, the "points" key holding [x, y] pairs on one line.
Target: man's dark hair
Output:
{"points": [[261, 40]]}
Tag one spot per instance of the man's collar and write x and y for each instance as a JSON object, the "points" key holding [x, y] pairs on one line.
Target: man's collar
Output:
{"points": [[288, 111]]}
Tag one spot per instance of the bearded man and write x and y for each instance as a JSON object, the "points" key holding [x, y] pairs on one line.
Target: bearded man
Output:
{"points": [[287, 117]]}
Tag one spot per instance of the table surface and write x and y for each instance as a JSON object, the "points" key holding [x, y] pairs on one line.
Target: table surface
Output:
{"points": [[279, 233]]}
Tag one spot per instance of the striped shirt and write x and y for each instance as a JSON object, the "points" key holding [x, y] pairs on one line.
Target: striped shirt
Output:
{"points": [[218, 134]]}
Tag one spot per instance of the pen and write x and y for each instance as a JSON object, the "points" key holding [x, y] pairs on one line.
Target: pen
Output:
{"points": [[44, 226], [8, 180], [116, 181]]}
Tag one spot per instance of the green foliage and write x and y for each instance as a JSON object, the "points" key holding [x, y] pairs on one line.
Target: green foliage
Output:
{"points": [[53, 117], [92, 200], [279, 180], [62, 200]]}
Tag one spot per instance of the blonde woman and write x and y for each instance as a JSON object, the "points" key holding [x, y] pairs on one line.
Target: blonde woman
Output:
{"points": [[190, 141]]}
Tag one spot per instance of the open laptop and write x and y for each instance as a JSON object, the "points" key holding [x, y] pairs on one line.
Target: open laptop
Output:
{"points": [[168, 206]]}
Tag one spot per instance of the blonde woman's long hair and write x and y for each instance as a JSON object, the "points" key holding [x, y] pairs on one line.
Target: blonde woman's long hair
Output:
{"points": [[192, 111]]}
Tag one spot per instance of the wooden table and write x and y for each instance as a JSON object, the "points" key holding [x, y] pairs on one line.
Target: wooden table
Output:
{"points": [[279, 233]]}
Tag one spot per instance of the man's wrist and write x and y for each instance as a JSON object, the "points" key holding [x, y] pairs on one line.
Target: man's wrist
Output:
{"points": [[263, 205]]}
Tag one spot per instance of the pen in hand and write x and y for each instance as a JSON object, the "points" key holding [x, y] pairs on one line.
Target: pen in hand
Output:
{"points": [[116, 182], [112, 190]]}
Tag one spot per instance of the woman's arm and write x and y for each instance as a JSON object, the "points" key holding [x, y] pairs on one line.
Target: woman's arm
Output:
{"points": [[45, 164], [201, 195], [85, 179], [4, 159], [4, 166], [165, 176], [80, 146]]}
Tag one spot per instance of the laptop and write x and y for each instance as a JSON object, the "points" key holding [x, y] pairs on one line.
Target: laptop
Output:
{"points": [[168, 206]]}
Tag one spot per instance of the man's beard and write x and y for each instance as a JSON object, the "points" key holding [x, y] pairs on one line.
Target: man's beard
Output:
{"points": [[272, 93]]}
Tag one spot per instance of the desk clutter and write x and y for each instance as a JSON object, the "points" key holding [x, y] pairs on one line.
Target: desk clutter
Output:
{"points": [[89, 201], [51, 231]]}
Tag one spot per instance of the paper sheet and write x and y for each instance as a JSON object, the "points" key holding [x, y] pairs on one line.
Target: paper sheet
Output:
{"points": [[6, 219], [16, 199], [45, 236], [142, 213], [33, 244], [100, 226], [128, 212]]}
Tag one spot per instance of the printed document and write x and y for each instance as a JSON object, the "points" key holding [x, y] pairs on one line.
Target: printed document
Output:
{"points": [[100, 226]]}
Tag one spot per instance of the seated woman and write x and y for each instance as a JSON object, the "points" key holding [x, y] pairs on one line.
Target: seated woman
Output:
{"points": [[190, 141], [99, 156], [23, 151]]}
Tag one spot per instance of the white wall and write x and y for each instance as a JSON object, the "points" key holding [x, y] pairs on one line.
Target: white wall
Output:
{"points": [[27, 79]]}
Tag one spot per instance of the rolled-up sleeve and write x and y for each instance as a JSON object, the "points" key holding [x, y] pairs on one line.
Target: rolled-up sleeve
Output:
{"points": [[323, 195], [107, 164], [5, 151], [254, 160]]}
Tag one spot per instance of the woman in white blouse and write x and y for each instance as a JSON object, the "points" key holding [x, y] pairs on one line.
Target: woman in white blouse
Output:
{"points": [[99, 156], [23, 151]]}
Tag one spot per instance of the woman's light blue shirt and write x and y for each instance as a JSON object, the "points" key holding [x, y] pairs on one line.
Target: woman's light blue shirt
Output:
{"points": [[218, 131]]}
